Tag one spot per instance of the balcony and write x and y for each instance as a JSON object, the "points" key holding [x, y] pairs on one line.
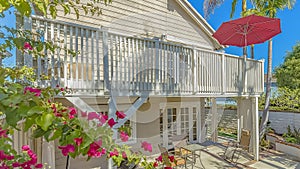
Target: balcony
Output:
{"points": [[110, 63]]}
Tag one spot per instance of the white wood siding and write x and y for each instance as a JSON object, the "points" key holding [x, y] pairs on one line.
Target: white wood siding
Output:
{"points": [[147, 17]]}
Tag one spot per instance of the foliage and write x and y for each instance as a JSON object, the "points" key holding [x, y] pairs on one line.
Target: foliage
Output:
{"points": [[24, 7], [271, 7], [288, 73], [284, 99], [227, 132], [32, 108], [292, 136]]}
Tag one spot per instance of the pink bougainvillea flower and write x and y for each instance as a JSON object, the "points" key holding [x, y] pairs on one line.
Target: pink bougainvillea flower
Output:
{"points": [[83, 114], [159, 158], [67, 149], [102, 118], [78, 141], [103, 151], [124, 155], [94, 149], [72, 110], [39, 166], [147, 146], [3, 133], [114, 153], [111, 122], [27, 46], [120, 114], [25, 147], [16, 164], [124, 137], [155, 164], [171, 158], [93, 115], [33, 90]]}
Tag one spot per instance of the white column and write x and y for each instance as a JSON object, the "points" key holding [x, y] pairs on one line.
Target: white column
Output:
{"points": [[239, 129], [202, 120], [255, 128], [214, 120]]}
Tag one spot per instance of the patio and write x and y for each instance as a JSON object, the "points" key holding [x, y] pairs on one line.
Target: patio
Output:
{"points": [[269, 159]]}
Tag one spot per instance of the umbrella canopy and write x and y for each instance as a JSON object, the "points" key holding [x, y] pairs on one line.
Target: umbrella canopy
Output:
{"points": [[248, 30]]}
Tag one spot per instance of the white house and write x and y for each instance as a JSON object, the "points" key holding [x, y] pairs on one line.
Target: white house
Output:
{"points": [[155, 60]]}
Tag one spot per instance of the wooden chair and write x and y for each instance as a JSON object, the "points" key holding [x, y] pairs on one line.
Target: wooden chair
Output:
{"points": [[178, 160], [177, 147], [234, 149]]}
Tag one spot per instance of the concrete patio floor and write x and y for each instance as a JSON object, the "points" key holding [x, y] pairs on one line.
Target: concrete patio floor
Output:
{"points": [[211, 158]]}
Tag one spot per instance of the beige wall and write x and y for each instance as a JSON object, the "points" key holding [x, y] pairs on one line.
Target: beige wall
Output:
{"points": [[139, 18]]}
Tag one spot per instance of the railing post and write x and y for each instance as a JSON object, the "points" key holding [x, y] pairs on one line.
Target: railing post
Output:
{"points": [[195, 79], [223, 73], [157, 69], [107, 86]]}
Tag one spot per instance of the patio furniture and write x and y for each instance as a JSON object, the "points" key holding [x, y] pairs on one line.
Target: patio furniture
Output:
{"points": [[194, 148], [178, 142], [178, 147], [178, 160], [234, 148]]}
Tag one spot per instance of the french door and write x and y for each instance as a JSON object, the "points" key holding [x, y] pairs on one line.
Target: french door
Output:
{"points": [[179, 120]]}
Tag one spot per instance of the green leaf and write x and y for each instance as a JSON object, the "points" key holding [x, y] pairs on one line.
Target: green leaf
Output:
{"points": [[4, 5], [53, 11], [19, 42], [57, 133], [86, 141], [35, 110], [12, 118], [38, 133], [45, 121], [28, 123], [23, 7], [40, 46]]}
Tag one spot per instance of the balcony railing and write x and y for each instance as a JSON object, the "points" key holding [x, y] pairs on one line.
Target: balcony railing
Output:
{"points": [[126, 65]]}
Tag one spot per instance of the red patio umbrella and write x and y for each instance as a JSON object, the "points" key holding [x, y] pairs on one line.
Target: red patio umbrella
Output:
{"points": [[248, 30]]}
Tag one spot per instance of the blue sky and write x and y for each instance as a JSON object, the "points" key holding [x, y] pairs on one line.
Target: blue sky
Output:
{"points": [[282, 43]]}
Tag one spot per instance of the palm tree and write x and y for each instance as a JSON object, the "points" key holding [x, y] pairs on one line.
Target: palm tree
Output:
{"points": [[269, 8]]}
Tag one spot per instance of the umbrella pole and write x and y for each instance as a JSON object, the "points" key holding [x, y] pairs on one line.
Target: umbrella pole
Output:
{"points": [[245, 51]]}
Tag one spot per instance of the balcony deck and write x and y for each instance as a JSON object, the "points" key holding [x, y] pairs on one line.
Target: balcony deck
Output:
{"points": [[111, 63]]}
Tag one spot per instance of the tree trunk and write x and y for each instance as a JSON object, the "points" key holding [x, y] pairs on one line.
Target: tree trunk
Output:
{"points": [[265, 115]]}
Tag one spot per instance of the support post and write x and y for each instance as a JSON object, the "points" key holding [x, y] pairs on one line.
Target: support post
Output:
{"points": [[214, 120], [255, 128], [239, 129], [202, 120]]}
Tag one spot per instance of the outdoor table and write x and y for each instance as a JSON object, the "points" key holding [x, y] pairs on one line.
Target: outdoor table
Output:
{"points": [[193, 148]]}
